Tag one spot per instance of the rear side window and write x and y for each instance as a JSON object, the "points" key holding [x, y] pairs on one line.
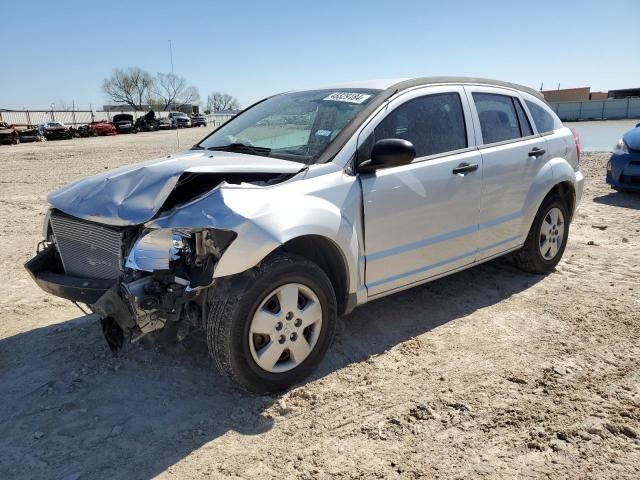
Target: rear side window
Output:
{"points": [[433, 124], [543, 119], [498, 117]]}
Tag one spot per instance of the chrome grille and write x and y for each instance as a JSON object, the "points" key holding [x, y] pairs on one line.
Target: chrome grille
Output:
{"points": [[86, 249]]}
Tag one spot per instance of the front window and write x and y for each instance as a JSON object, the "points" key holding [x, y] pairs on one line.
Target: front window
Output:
{"points": [[433, 124], [295, 126]]}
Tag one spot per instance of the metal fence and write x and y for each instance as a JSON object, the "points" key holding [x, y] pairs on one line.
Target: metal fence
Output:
{"points": [[609, 109], [81, 117]]}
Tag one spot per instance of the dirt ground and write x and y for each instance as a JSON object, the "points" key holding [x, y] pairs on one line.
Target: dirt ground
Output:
{"points": [[489, 373]]}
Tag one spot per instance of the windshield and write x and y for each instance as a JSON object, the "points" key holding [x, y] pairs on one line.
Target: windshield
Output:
{"points": [[296, 126]]}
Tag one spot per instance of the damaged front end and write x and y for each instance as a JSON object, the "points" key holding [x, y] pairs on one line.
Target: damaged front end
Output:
{"points": [[110, 240], [165, 272], [137, 280]]}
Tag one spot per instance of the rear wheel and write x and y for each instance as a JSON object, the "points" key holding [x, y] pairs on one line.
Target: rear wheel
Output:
{"points": [[547, 238], [269, 328]]}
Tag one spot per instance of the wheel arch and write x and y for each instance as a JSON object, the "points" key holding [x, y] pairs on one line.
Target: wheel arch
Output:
{"points": [[325, 253], [557, 177]]}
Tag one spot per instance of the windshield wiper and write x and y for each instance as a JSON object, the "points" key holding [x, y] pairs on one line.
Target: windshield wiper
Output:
{"points": [[242, 147]]}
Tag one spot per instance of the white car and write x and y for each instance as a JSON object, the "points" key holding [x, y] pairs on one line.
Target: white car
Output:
{"points": [[308, 204]]}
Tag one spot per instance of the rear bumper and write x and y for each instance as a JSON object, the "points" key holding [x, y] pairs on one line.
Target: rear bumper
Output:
{"points": [[47, 271]]}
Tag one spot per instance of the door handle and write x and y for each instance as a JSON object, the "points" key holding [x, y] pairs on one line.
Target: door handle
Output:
{"points": [[465, 168], [537, 152]]}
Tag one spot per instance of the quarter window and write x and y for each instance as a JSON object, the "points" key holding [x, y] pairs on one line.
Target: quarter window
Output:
{"points": [[433, 124], [525, 126], [543, 119], [498, 117]]}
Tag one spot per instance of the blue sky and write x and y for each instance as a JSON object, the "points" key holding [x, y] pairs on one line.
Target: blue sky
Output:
{"points": [[61, 51]]}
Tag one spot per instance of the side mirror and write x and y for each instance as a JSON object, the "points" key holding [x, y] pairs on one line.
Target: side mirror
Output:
{"points": [[389, 152], [637, 125]]}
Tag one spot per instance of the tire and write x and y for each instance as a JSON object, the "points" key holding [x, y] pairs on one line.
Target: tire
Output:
{"points": [[230, 325], [530, 257]]}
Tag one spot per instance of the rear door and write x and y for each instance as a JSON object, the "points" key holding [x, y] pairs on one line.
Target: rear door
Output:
{"points": [[421, 219], [512, 156]]}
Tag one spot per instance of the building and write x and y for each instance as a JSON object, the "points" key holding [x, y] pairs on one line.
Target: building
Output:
{"points": [[625, 93], [567, 94], [579, 94]]}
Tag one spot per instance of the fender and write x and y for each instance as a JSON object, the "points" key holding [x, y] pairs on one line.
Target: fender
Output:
{"points": [[266, 218], [555, 171]]}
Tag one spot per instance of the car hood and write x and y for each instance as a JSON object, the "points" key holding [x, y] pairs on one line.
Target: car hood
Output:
{"points": [[632, 138], [134, 194]]}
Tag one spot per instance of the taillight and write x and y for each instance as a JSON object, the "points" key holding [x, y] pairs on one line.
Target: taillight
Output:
{"points": [[576, 138]]}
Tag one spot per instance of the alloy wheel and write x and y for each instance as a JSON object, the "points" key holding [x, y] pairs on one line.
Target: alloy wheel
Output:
{"points": [[285, 327], [551, 233]]}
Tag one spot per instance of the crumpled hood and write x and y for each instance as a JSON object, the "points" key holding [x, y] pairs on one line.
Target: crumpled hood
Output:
{"points": [[632, 138], [132, 195]]}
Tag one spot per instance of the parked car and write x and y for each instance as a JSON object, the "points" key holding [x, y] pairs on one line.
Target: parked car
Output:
{"points": [[98, 128], [308, 204], [124, 123], [147, 123], [198, 120], [165, 123], [623, 168], [56, 131], [104, 128], [182, 119], [8, 134], [29, 133]]}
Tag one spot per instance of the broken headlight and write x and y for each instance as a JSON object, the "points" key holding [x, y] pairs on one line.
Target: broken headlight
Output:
{"points": [[154, 250], [191, 254]]}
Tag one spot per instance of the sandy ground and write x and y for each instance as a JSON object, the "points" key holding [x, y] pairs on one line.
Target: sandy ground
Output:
{"points": [[490, 373]]}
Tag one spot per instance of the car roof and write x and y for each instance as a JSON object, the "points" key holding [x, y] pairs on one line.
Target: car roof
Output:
{"points": [[399, 84]]}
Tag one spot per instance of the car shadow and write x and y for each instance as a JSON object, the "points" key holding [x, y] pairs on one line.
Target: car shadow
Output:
{"points": [[69, 409], [620, 199]]}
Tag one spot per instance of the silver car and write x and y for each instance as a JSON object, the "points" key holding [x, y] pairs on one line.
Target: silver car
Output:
{"points": [[308, 204]]}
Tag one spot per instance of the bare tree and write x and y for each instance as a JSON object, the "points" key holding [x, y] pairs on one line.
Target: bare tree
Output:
{"points": [[131, 86], [170, 89], [217, 102]]}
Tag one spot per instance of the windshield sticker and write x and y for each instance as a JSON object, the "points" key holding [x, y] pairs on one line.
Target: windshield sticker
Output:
{"points": [[323, 133], [349, 97]]}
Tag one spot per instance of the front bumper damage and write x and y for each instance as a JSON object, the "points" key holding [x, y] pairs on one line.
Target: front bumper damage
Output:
{"points": [[155, 287], [47, 271]]}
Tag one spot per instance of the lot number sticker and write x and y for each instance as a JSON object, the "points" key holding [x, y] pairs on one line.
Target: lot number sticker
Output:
{"points": [[349, 97]]}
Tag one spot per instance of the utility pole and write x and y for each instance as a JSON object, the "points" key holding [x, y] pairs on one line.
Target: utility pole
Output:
{"points": [[171, 56]]}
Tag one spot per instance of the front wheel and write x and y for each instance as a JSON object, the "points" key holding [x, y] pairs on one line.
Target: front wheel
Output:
{"points": [[547, 238], [269, 328]]}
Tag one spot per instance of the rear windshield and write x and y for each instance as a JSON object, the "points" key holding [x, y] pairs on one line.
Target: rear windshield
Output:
{"points": [[296, 126]]}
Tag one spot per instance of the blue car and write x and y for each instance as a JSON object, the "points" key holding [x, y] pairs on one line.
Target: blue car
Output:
{"points": [[623, 168]]}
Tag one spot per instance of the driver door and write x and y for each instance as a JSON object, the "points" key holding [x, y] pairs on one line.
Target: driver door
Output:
{"points": [[421, 219]]}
